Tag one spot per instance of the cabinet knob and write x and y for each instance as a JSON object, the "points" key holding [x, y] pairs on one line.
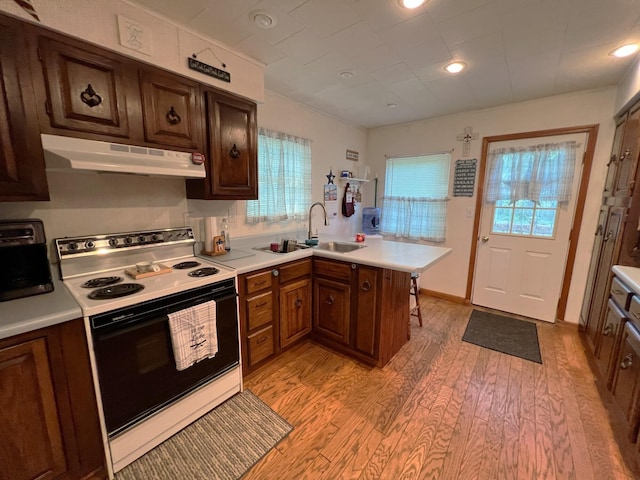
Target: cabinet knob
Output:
{"points": [[366, 286], [275, 272], [607, 330], [172, 117], [329, 300], [627, 362], [234, 152], [90, 97], [298, 302], [354, 266]]}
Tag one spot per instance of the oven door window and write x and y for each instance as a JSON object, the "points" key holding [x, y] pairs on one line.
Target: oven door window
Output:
{"points": [[137, 371]]}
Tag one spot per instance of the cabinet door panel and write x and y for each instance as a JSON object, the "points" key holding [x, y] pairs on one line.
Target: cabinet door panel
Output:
{"points": [[171, 109], [365, 328], [332, 309], [610, 250], [85, 89], [29, 414], [609, 333], [593, 267], [233, 147], [295, 311], [628, 161], [627, 377], [22, 169], [612, 170]]}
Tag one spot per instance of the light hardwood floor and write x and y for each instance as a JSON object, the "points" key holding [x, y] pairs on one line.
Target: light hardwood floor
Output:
{"points": [[441, 409]]}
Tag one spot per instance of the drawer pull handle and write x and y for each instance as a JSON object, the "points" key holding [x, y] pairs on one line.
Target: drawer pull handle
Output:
{"points": [[172, 117], [366, 286], [257, 284], [261, 304], [608, 236], [637, 315], [627, 362], [262, 340], [330, 300], [234, 152], [90, 97], [607, 330], [618, 292], [298, 302]]}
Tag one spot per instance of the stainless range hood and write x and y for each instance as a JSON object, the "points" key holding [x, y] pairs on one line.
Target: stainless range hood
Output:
{"points": [[76, 154]]}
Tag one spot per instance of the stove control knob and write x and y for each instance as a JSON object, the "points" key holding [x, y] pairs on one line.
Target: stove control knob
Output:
{"points": [[128, 240], [73, 246], [90, 244], [113, 242], [141, 239]]}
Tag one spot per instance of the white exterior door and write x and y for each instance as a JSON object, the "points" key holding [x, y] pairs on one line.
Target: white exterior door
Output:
{"points": [[522, 249]]}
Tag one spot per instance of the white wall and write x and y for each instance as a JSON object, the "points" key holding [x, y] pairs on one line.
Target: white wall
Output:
{"points": [[331, 138], [628, 88], [439, 134]]}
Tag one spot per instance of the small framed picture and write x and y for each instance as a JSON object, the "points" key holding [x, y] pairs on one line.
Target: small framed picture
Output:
{"points": [[352, 155]]}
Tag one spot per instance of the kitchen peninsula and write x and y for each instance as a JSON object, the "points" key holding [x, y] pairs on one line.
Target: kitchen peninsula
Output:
{"points": [[355, 302]]}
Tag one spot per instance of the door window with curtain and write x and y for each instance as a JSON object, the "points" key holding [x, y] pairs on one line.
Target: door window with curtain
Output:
{"points": [[415, 199], [284, 178], [527, 185]]}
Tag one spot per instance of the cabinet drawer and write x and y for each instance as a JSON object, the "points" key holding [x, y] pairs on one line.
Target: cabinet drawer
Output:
{"points": [[634, 310], [624, 388], [335, 270], [260, 345], [620, 293], [258, 281], [259, 310], [294, 270]]}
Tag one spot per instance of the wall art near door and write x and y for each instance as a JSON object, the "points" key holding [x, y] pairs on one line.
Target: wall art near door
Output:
{"points": [[464, 178]]}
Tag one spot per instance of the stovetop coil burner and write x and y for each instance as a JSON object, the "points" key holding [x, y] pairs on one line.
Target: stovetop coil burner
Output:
{"points": [[115, 291], [185, 265], [101, 282], [203, 272]]}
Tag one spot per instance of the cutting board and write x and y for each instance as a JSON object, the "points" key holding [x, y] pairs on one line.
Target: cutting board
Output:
{"points": [[136, 275]]}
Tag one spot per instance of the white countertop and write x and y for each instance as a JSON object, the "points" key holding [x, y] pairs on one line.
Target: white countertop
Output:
{"points": [[629, 275], [38, 311], [405, 257]]}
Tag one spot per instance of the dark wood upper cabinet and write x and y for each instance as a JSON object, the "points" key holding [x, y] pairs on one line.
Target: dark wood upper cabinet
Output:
{"points": [[85, 88], [171, 109], [22, 170], [232, 159], [628, 160]]}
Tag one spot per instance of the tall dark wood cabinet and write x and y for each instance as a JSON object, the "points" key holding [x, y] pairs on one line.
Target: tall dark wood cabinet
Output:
{"points": [[22, 171]]}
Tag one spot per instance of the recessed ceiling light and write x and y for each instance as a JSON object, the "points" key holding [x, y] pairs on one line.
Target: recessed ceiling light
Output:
{"points": [[625, 50], [263, 19], [346, 74], [455, 67], [410, 3]]}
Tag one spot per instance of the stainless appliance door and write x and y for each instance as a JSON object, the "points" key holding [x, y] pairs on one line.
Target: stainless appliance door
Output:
{"points": [[134, 357]]}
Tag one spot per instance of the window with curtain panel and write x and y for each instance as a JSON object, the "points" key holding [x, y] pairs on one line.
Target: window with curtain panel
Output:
{"points": [[284, 178], [527, 185], [415, 199]]}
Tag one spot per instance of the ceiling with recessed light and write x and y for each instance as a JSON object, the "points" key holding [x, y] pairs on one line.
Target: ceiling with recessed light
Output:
{"points": [[354, 58]]}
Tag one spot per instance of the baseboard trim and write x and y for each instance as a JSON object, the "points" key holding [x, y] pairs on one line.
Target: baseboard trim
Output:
{"points": [[444, 296]]}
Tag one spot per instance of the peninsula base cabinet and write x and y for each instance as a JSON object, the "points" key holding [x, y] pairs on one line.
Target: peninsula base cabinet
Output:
{"points": [[48, 411], [350, 314]]}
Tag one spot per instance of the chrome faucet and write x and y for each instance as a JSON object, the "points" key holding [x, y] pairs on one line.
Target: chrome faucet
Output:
{"points": [[326, 222]]}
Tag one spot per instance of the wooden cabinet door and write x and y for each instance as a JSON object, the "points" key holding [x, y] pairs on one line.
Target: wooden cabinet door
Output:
{"points": [[628, 160], [22, 168], [171, 110], [614, 160], [29, 414], [593, 267], [233, 147], [614, 318], [366, 318], [85, 88], [608, 256], [627, 378], [295, 311], [332, 310]]}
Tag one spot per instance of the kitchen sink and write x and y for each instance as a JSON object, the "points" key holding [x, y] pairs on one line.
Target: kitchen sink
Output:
{"points": [[268, 249], [339, 247]]}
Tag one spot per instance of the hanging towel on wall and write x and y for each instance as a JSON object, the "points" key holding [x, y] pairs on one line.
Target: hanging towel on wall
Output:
{"points": [[194, 334], [348, 207]]}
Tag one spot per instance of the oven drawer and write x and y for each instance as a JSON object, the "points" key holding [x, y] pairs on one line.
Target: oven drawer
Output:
{"points": [[260, 345], [258, 281], [259, 310]]}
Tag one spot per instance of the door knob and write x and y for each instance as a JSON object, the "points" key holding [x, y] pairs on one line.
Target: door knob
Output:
{"points": [[485, 239]]}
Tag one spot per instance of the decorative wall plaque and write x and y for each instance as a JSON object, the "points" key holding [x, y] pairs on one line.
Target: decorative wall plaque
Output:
{"points": [[352, 155], [210, 70], [464, 178]]}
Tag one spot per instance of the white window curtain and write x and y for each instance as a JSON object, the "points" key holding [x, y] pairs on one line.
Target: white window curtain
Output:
{"points": [[284, 178], [415, 199], [537, 173]]}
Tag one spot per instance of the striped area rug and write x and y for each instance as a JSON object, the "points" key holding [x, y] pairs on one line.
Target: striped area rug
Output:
{"points": [[221, 445]]}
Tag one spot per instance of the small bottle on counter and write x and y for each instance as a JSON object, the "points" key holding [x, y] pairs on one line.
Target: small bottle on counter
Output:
{"points": [[226, 235]]}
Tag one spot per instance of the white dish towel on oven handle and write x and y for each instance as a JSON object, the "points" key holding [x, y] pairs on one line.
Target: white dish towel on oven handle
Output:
{"points": [[194, 334]]}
